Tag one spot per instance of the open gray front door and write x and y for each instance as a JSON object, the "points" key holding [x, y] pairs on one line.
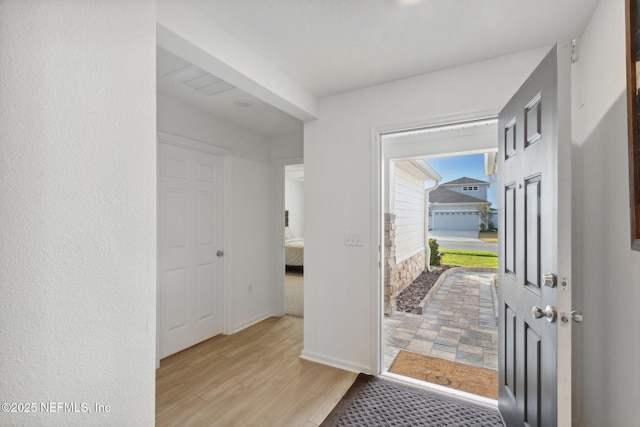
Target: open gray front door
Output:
{"points": [[535, 248]]}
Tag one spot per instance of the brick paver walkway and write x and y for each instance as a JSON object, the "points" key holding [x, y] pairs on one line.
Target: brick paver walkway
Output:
{"points": [[459, 324]]}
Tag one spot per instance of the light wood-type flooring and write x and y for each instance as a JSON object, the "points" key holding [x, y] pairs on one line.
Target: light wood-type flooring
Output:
{"points": [[252, 378]]}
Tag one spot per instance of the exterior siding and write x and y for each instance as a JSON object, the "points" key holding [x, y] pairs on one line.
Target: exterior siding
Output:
{"points": [[409, 211], [480, 193]]}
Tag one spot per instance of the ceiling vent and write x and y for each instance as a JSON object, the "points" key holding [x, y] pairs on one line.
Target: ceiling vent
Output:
{"points": [[243, 103], [200, 80]]}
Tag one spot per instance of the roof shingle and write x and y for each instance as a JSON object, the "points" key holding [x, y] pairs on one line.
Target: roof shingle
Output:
{"points": [[464, 180]]}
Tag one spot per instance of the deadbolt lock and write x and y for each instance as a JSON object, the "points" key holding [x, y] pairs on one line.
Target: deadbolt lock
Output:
{"points": [[549, 280]]}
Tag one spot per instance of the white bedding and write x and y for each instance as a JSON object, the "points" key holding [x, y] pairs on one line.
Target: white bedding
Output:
{"points": [[294, 252]]}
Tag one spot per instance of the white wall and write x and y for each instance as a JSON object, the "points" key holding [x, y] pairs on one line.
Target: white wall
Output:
{"points": [[607, 289], [288, 146], [250, 235], [338, 192], [78, 210], [294, 203]]}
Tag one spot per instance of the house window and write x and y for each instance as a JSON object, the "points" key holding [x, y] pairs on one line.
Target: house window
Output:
{"points": [[470, 188]]}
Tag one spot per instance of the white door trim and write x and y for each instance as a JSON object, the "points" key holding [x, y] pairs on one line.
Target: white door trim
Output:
{"points": [[566, 392], [376, 210], [278, 262], [227, 294]]}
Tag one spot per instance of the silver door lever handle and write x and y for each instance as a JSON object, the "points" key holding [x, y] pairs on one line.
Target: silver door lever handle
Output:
{"points": [[548, 312]]}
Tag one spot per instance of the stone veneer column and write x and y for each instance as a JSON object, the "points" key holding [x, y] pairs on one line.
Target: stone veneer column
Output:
{"points": [[397, 276], [389, 261]]}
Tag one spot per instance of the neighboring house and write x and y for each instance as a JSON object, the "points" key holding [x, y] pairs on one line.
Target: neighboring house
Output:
{"points": [[406, 234], [457, 205]]}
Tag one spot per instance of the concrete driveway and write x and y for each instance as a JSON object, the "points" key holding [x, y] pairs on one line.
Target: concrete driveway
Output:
{"points": [[462, 240], [454, 234]]}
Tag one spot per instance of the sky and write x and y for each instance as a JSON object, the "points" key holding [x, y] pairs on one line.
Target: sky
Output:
{"points": [[471, 166]]}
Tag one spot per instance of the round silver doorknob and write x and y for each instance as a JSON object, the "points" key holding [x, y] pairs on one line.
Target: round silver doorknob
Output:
{"points": [[548, 312], [220, 253]]}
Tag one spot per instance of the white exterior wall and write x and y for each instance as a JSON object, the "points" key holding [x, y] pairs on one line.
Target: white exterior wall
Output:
{"points": [[607, 288], [408, 206], [251, 232], [78, 209], [336, 146], [480, 193]]}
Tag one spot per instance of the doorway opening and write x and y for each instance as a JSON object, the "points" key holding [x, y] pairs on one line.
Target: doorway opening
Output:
{"points": [[294, 240], [440, 213]]}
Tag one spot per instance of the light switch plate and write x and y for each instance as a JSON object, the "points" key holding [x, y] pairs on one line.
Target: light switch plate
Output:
{"points": [[353, 239]]}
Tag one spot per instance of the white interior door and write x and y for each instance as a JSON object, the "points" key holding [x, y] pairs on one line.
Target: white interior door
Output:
{"points": [[535, 248], [190, 238]]}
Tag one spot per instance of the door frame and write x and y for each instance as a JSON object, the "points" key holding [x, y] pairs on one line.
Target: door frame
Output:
{"points": [[565, 379], [227, 218], [377, 170], [279, 273]]}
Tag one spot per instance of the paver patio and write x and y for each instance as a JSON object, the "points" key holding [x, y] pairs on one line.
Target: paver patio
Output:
{"points": [[459, 324]]}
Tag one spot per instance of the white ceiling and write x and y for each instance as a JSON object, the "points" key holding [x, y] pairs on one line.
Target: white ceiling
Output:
{"points": [[333, 46], [260, 117]]}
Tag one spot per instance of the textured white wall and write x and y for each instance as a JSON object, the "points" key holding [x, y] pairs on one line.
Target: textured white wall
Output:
{"points": [[337, 150], [607, 288], [251, 235], [78, 210]]}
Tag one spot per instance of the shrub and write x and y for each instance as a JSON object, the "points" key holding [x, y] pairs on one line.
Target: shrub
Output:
{"points": [[435, 254]]}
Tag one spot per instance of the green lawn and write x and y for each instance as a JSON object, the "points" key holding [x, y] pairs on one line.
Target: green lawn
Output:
{"points": [[469, 258]]}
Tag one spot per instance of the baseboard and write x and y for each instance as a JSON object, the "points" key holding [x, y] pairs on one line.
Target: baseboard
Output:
{"points": [[250, 322], [336, 363]]}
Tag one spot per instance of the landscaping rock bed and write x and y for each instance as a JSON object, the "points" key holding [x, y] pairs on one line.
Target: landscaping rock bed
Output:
{"points": [[409, 299]]}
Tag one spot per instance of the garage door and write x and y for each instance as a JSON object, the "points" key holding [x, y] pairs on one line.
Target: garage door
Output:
{"points": [[456, 221]]}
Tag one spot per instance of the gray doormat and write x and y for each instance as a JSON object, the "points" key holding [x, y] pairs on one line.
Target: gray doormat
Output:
{"points": [[375, 402]]}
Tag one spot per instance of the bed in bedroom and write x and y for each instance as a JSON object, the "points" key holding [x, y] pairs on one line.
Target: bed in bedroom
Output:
{"points": [[294, 252], [293, 247]]}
